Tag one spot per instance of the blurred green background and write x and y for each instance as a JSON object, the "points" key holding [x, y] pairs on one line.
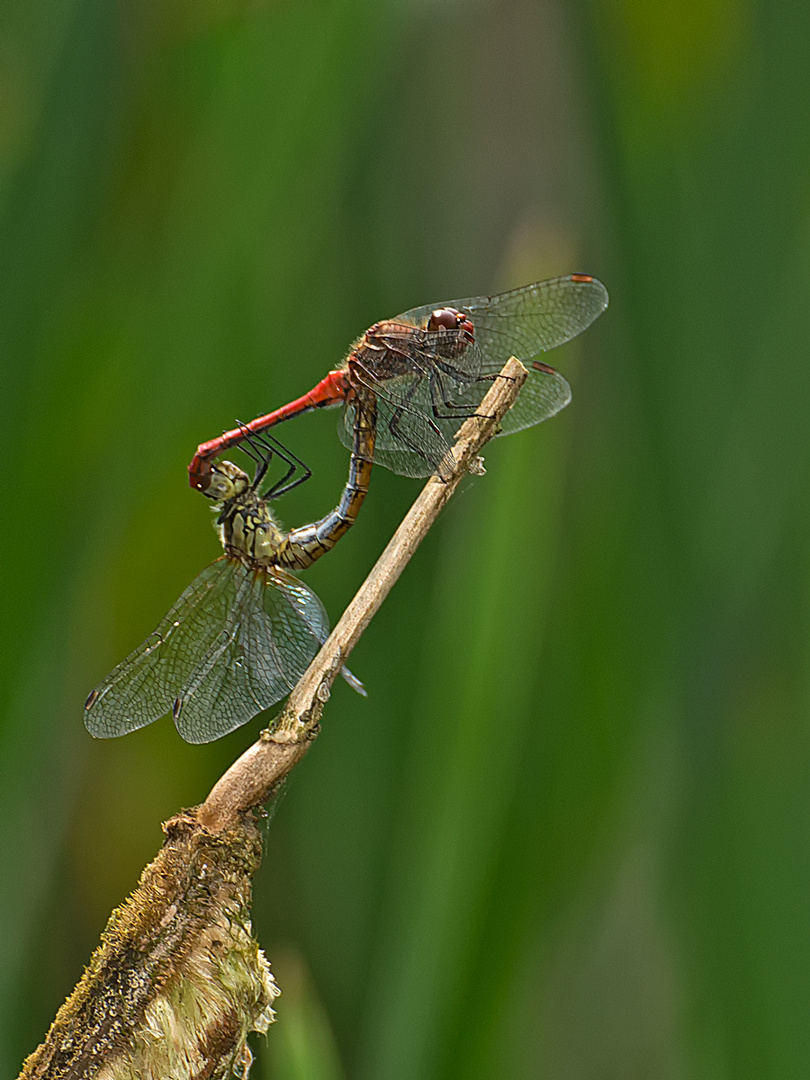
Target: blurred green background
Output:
{"points": [[567, 834]]}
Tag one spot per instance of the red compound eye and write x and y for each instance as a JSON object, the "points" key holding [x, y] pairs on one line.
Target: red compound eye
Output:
{"points": [[449, 319], [445, 319]]}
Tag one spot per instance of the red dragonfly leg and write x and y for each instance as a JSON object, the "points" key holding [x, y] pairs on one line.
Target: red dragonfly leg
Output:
{"points": [[329, 391]]}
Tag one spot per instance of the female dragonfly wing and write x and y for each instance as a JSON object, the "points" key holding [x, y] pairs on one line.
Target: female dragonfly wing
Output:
{"points": [[144, 687], [235, 643], [275, 628], [262, 649], [312, 611]]}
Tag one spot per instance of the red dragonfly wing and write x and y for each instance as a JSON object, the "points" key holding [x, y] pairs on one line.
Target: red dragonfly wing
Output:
{"points": [[420, 412], [543, 395], [409, 439], [525, 323]]}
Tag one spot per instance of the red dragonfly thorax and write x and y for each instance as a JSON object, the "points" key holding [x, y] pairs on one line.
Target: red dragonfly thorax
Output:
{"points": [[392, 347]]}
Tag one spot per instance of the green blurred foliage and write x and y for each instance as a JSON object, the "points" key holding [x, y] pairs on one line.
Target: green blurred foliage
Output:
{"points": [[567, 834]]}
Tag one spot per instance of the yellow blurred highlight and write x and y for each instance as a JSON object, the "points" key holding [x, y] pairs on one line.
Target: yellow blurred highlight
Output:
{"points": [[671, 55]]}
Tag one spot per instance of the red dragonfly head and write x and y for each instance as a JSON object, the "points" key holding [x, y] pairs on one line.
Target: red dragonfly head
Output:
{"points": [[450, 319]]}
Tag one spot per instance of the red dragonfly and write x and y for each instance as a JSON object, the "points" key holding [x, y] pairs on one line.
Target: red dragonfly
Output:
{"points": [[430, 367]]}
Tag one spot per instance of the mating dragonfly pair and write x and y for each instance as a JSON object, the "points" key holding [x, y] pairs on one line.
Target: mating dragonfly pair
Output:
{"points": [[246, 629]]}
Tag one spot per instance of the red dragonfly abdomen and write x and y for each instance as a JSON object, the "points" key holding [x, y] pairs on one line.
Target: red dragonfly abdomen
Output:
{"points": [[329, 391]]}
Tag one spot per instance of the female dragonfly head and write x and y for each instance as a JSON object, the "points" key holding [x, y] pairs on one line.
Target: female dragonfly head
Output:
{"points": [[228, 482], [246, 525]]}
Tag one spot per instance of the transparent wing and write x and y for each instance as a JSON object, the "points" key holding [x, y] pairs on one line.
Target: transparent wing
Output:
{"points": [[417, 420], [276, 630], [544, 394], [420, 412], [313, 613], [144, 686], [410, 440], [303, 601], [523, 322]]}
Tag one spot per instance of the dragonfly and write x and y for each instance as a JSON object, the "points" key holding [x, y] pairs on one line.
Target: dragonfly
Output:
{"points": [[246, 629], [430, 367]]}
